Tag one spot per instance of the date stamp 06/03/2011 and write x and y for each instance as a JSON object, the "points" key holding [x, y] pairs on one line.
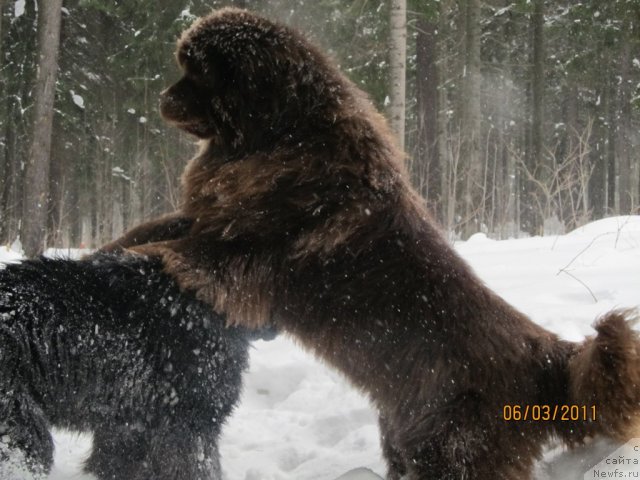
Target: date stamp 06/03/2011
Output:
{"points": [[549, 413], [619, 461]]}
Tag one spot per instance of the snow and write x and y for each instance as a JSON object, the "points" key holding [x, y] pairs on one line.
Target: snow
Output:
{"points": [[187, 15], [301, 420], [359, 474], [120, 173], [77, 99], [503, 10], [18, 9], [15, 249]]}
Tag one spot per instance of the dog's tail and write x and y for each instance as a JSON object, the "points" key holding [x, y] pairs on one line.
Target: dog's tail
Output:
{"points": [[604, 379]]}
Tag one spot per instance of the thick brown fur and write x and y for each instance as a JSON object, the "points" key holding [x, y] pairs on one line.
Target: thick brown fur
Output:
{"points": [[302, 215]]}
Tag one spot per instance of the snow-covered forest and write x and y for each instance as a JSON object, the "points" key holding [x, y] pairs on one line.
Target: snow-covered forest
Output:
{"points": [[518, 116]]}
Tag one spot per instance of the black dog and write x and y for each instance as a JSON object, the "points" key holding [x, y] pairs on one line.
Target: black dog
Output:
{"points": [[111, 345]]}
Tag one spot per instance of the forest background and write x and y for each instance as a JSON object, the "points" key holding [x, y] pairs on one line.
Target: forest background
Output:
{"points": [[518, 117]]}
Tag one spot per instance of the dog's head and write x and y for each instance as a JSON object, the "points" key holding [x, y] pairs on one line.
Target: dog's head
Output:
{"points": [[249, 82]]}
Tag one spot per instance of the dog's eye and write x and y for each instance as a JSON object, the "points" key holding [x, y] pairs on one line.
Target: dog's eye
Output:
{"points": [[199, 76]]}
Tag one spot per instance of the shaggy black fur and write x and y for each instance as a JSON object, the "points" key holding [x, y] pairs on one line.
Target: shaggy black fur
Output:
{"points": [[111, 345]]}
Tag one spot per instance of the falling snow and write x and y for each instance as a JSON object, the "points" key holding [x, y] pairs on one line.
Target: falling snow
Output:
{"points": [[77, 99], [18, 9]]}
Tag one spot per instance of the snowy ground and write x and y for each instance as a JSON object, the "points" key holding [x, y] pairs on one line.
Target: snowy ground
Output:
{"points": [[299, 420]]}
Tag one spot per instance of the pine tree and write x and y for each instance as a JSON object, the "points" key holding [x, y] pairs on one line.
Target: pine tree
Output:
{"points": [[36, 189]]}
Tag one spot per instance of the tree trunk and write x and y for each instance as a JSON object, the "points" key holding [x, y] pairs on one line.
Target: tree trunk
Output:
{"points": [[11, 196], [58, 185], [598, 179], [612, 184], [444, 142], [398, 60], [427, 159], [509, 136], [623, 140], [532, 214], [470, 122], [3, 142], [37, 169], [74, 213], [2, 5], [18, 79]]}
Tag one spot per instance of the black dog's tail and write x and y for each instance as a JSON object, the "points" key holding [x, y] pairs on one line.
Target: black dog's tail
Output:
{"points": [[604, 377]]}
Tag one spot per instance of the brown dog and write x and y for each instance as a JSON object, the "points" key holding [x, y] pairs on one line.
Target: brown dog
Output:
{"points": [[297, 211]]}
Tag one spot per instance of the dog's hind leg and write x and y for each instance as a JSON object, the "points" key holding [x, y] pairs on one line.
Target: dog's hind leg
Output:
{"points": [[25, 442], [396, 464], [464, 455], [464, 439], [168, 453], [116, 453]]}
